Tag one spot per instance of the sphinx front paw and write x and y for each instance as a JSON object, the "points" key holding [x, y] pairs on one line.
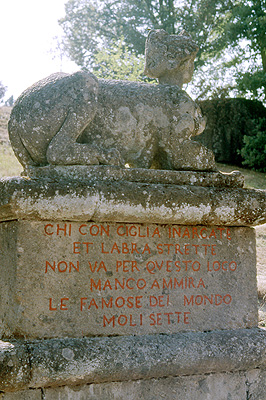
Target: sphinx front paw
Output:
{"points": [[112, 157]]}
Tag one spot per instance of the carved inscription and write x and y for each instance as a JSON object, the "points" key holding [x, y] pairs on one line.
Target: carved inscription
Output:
{"points": [[132, 278]]}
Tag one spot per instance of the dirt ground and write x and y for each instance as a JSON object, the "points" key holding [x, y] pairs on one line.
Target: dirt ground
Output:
{"points": [[4, 117]]}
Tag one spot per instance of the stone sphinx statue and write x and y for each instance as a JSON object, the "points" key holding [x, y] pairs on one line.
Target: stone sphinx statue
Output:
{"points": [[79, 120]]}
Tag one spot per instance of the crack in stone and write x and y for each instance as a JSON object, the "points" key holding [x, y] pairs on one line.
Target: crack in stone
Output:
{"points": [[42, 394]]}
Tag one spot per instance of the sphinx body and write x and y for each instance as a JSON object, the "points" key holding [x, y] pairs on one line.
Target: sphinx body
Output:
{"points": [[76, 119]]}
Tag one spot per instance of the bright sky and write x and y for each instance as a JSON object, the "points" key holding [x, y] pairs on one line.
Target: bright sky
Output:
{"points": [[27, 29]]}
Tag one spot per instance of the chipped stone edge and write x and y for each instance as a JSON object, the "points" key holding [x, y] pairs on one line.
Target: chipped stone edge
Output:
{"points": [[22, 198], [59, 362], [109, 173]]}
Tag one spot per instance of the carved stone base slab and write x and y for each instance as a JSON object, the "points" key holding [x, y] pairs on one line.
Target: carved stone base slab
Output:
{"points": [[112, 173], [125, 201], [79, 279], [109, 366]]}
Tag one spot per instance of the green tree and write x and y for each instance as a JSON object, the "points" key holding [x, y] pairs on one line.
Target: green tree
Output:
{"points": [[2, 91], [254, 148], [10, 101], [117, 62], [248, 23], [230, 34], [235, 43], [90, 25]]}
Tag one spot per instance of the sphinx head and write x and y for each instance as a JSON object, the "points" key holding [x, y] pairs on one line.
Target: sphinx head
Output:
{"points": [[170, 58]]}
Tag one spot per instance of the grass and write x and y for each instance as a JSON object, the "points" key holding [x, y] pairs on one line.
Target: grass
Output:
{"points": [[253, 179], [9, 165]]}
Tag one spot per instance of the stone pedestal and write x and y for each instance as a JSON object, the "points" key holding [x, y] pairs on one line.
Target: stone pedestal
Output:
{"points": [[146, 278]]}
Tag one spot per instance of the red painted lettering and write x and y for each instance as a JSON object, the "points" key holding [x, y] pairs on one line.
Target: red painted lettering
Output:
{"points": [[81, 229], [66, 229], [127, 266], [186, 233], [108, 322], [159, 301], [186, 314], [82, 302], [63, 306], [122, 320], [195, 233], [93, 304], [51, 308], [77, 246], [48, 231], [223, 266], [62, 266], [213, 299], [107, 303], [99, 267]]}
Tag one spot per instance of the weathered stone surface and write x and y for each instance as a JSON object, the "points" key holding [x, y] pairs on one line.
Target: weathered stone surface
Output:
{"points": [[58, 362], [170, 58], [79, 279], [36, 394], [14, 366], [109, 173], [256, 384], [224, 386], [22, 198], [151, 356], [115, 122]]}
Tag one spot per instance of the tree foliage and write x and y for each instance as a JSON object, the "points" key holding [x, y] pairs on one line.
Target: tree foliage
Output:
{"points": [[117, 62], [254, 149], [90, 25], [231, 35], [10, 101], [232, 42], [2, 91]]}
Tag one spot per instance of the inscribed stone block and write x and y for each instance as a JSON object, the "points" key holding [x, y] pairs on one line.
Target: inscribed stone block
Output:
{"points": [[80, 279]]}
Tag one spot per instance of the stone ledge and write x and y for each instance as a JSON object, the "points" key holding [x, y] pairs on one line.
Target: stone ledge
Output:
{"points": [[237, 385], [59, 362], [111, 173], [25, 198]]}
